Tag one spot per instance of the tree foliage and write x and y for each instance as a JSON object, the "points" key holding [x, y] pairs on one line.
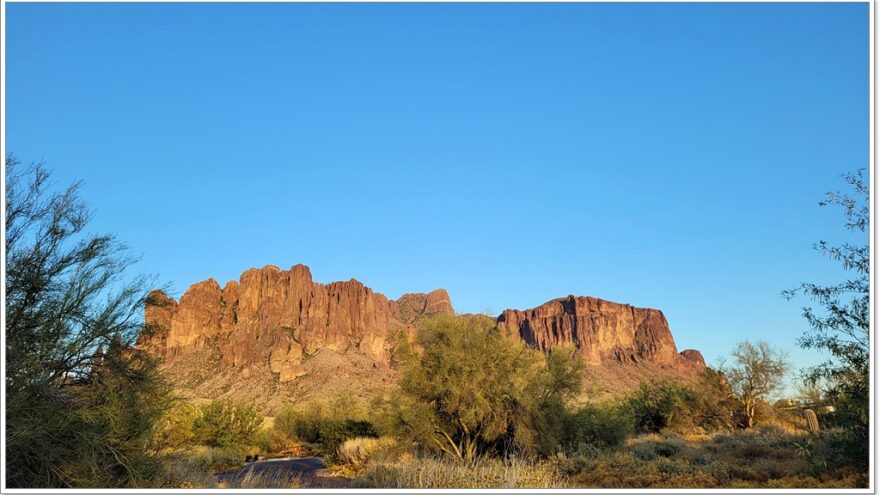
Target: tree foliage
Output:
{"points": [[468, 390], [226, 424], [656, 406], [705, 404], [841, 324], [76, 415], [756, 373]]}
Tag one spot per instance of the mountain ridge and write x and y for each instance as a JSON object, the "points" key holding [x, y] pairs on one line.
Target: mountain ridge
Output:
{"points": [[281, 333]]}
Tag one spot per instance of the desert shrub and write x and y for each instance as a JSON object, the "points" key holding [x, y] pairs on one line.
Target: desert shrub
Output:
{"points": [[655, 446], [701, 406], [263, 440], [839, 449], [225, 424], [711, 404], [606, 425], [300, 424], [304, 422], [75, 415], [660, 405], [443, 472], [755, 458], [326, 424], [175, 430], [357, 451]]}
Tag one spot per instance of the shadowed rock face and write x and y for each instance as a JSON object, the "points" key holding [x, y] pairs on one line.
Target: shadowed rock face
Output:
{"points": [[278, 319]]}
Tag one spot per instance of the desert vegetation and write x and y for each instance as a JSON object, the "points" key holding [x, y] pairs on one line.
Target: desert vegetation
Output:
{"points": [[472, 407]]}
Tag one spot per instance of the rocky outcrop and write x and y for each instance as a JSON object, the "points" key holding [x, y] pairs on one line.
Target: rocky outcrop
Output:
{"points": [[158, 311], [272, 322], [601, 331], [276, 317], [409, 308], [693, 358]]}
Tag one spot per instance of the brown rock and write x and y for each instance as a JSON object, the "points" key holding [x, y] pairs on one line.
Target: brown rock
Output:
{"points": [[274, 328], [602, 331], [197, 317], [438, 302], [158, 310], [274, 317], [409, 308], [693, 357]]}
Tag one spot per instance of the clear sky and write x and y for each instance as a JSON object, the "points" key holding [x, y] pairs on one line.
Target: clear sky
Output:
{"points": [[667, 156]]}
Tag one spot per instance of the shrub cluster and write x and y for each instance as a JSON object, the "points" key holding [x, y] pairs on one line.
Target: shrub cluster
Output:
{"points": [[702, 406], [226, 424], [328, 425], [596, 426], [760, 457], [218, 424]]}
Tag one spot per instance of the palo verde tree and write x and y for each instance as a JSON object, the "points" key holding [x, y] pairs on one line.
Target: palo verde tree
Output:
{"points": [[467, 390], [840, 325], [756, 373], [80, 401]]}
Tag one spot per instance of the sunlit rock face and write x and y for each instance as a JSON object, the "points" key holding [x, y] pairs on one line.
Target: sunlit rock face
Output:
{"points": [[602, 332], [279, 317], [270, 322]]}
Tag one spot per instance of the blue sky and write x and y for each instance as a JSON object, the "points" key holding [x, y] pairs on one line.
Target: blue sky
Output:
{"points": [[668, 156]]}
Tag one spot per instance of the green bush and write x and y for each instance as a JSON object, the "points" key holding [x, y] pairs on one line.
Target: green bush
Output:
{"points": [[657, 406], [702, 405], [225, 424], [711, 403], [174, 430], [303, 423], [328, 424], [300, 425], [597, 425], [842, 449]]}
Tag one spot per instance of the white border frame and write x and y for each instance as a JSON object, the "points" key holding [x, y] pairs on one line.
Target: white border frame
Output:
{"points": [[872, 232]]}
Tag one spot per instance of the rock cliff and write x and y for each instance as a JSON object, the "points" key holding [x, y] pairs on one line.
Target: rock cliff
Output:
{"points": [[257, 336], [276, 317], [602, 331]]}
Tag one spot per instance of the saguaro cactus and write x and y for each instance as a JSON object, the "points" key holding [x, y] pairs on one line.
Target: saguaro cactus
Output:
{"points": [[812, 421]]}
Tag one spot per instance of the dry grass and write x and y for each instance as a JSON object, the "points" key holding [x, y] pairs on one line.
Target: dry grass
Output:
{"points": [[187, 472], [216, 458], [356, 452], [415, 472], [274, 479], [193, 472]]}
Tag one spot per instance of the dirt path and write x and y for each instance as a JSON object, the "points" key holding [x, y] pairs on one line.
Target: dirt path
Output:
{"points": [[309, 469]]}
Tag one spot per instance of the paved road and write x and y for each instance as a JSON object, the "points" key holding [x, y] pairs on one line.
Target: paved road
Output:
{"points": [[303, 467]]}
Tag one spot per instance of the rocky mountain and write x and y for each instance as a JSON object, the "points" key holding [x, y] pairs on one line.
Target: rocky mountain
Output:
{"points": [[602, 331], [276, 335]]}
